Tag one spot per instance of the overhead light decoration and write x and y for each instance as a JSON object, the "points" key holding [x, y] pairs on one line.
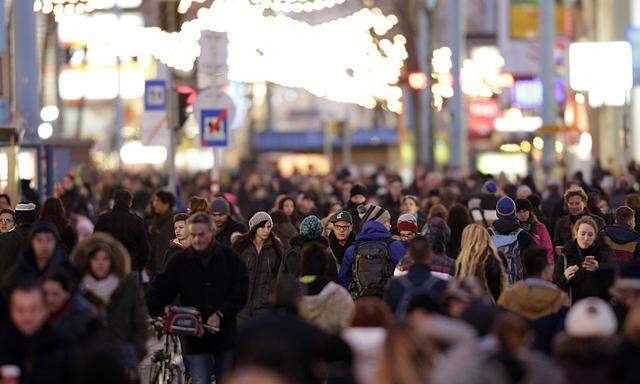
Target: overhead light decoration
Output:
{"points": [[340, 60], [61, 8], [296, 6], [184, 5]]}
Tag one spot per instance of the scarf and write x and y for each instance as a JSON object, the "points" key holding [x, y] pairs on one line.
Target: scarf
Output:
{"points": [[104, 288]]}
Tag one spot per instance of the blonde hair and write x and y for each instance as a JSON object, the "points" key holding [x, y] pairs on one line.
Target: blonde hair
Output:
{"points": [[585, 220], [475, 250]]}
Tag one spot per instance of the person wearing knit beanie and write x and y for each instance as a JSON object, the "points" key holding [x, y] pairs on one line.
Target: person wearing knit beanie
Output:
{"points": [[506, 209], [311, 227], [373, 212], [489, 188], [523, 205], [259, 218]]}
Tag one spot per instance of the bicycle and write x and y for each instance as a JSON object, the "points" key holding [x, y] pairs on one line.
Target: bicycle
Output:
{"points": [[177, 321]]}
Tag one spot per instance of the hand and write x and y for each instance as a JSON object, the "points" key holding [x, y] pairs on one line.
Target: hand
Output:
{"points": [[570, 272], [213, 321], [590, 264]]}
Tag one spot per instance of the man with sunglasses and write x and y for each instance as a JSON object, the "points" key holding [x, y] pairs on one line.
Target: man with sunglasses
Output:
{"points": [[341, 235]]}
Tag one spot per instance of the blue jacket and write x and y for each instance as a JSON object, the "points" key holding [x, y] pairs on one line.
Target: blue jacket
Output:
{"points": [[372, 230]]}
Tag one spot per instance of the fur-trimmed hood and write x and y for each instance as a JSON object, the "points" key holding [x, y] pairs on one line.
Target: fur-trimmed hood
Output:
{"points": [[121, 262]]}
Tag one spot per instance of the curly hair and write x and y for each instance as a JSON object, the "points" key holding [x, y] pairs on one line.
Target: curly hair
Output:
{"points": [[585, 220], [577, 191]]}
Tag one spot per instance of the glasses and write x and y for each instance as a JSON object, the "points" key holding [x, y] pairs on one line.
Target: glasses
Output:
{"points": [[342, 227], [6, 221]]}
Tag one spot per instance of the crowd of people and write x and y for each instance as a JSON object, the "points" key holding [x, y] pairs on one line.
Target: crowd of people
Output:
{"points": [[338, 278]]}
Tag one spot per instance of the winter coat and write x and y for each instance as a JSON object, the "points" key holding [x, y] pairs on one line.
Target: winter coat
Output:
{"points": [[263, 270], [75, 203], [175, 247], [284, 343], [125, 315], [223, 236], [220, 285], [285, 232], [417, 274], [543, 303], [12, 245], [339, 249], [626, 369], [42, 358], [585, 360], [542, 239], [130, 230], [290, 267], [563, 231], [624, 242], [68, 237], [584, 283], [27, 269], [331, 310], [160, 234], [371, 231], [79, 322]]}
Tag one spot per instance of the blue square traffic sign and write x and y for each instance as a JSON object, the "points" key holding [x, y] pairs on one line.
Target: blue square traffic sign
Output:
{"points": [[214, 128], [155, 95]]}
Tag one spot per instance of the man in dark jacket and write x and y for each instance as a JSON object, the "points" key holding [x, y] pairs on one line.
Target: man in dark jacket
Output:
{"points": [[210, 277], [74, 202], [622, 238], [127, 228], [14, 242], [418, 279], [341, 236], [160, 228], [358, 198], [503, 233], [226, 227], [42, 256], [28, 341]]}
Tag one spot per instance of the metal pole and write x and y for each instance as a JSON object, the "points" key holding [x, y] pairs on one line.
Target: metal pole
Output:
{"points": [[4, 36], [458, 131], [172, 122], [424, 103], [428, 133], [117, 103], [547, 69], [26, 70], [635, 94], [346, 144]]}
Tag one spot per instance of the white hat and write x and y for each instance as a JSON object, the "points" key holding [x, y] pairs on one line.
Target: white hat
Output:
{"points": [[259, 217], [591, 317], [407, 217]]}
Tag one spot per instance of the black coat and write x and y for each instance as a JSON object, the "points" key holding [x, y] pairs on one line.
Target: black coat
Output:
{"points": [[79, 325], [284, 343], [26, 268], [626, 369], [290, 267], [68, 237], [224, 236], [160, 234], [42, 358], [74, 202], [417, 274], [130, 230], [338, 249], [125, 315], [584, 283], [12, 244], [221, 285]]}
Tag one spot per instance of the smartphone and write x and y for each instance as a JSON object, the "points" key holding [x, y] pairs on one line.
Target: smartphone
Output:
{"points": [[590, 259]]}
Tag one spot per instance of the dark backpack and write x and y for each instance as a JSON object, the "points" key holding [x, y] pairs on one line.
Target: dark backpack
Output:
{"points": [[509, 247], [372, 268], [410, 291]]}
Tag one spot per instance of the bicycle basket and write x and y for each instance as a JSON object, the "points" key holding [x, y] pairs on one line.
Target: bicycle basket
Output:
{"points": [[182, 321]]}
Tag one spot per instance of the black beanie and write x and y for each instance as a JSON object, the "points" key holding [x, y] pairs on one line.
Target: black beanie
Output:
{"points": [[523, 205], [358, 189], [44, 226], [534, 200]]}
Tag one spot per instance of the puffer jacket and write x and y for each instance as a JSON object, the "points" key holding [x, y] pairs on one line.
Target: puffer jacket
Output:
{"points": [[624, 241], [331, 310], [263, 275]]}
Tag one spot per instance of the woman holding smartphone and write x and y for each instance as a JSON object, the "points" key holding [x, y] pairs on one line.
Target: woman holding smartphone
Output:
{"points": [[576, 269]]}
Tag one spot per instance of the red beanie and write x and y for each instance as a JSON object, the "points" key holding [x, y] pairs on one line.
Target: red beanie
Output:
{"points": [[407, 226]]}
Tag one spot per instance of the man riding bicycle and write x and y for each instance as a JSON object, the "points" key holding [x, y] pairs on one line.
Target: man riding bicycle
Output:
{"points": [[210, 277]]}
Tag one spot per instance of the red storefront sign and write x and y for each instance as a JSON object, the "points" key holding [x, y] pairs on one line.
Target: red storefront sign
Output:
{"points": [[480, 116]]}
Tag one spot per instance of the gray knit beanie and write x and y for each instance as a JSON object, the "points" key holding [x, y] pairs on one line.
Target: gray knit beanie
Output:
{"points": [[371, 212], [259, 217], [220, 205]]}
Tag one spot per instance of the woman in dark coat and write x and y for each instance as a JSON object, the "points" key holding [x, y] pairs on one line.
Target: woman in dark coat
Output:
{"points": [[53, 210], [262, 253], [586, 261], [107, 282], [457, 220]]}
